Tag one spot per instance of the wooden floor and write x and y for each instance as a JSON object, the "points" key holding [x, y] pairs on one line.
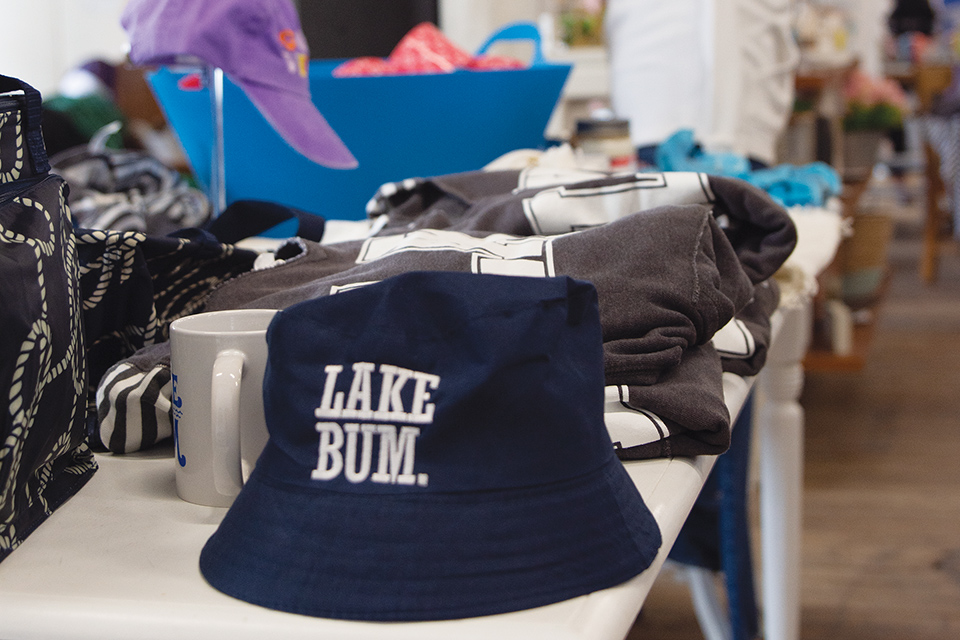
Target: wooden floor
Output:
{"points": [[881, 537]]}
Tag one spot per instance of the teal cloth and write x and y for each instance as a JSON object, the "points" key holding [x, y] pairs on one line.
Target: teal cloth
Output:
{"points": [[790, 185]]}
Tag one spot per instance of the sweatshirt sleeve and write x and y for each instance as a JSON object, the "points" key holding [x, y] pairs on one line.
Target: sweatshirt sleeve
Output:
{"points": [[667, 278], [760, 230]]}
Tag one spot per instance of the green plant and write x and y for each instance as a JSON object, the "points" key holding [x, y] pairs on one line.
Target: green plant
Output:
{"points": [[872, 104], [581, 27], [881, 116]]}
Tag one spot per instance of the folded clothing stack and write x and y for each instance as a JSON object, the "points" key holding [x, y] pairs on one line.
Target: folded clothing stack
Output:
{"points": [[681, 262]]}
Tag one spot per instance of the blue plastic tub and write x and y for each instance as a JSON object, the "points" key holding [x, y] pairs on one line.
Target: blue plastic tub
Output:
{"points": [[397, 127]]}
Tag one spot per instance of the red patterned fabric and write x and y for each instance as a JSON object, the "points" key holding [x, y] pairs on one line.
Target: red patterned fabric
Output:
{"points": [[365, 66], [424, 49], [494, 63]]}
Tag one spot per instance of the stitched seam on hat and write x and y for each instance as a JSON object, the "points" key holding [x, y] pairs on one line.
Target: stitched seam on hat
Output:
{"points": [[288, 487], [486, 313]]}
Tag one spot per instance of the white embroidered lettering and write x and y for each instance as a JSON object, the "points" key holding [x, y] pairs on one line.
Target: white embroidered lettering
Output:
{"points": [[391, 404], [359, 393], [397, 410], [329, 458], [350, 470], [330, 405], [422, 411], [395, 451], [348, 447]]}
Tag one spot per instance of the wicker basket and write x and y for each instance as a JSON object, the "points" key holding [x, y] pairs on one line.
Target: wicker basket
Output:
{"points": [[862, 258]]}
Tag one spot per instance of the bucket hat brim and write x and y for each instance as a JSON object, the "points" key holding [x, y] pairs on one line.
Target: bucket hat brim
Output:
{"points": [[390, 557]]}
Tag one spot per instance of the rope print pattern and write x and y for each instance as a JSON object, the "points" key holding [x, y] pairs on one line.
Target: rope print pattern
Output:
{"points": [[156, 281], [37, 366]]}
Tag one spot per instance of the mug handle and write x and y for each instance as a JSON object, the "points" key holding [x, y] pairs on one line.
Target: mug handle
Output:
{"points": [[225, 419]]}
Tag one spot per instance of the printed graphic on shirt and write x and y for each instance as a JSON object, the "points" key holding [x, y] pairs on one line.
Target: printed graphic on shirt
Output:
{"points": [[497, 254], [574, 207], [629, 427], [340, 288], [538, 177], [734, 340], [353, 413]]}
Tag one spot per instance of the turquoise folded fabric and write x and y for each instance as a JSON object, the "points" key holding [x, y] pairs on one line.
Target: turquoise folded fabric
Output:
{"points": [[790, 185]]}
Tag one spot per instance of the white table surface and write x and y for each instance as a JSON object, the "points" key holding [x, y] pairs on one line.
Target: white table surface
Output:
{"points": [[119, 560]]}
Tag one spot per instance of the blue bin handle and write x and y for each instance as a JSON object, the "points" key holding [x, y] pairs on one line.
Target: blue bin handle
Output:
{"points": [[518, 31]]}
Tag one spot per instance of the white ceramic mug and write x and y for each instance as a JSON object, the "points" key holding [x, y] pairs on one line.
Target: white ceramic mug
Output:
{"points": [[217, 361]]}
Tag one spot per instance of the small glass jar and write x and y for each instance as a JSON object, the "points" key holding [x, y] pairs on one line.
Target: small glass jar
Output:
{"points": [[609, 139]]}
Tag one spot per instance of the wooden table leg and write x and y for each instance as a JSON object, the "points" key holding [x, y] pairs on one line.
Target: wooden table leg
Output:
{"points": [[930, 256]]}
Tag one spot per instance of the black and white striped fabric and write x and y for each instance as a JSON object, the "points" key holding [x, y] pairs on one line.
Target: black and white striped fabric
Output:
{"points": [[128, 190], [44, 457], [142, 389], [943, 134]]}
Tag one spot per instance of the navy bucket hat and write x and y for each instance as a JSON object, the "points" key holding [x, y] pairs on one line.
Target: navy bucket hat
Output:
{"points": [[437, 450]]}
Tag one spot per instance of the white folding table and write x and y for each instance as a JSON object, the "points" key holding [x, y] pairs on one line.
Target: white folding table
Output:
{"points": [[119, 560]]}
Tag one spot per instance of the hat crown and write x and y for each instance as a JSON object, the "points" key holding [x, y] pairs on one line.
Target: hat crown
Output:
{"points": [[258, 41], [258, 44], [437, 383]]}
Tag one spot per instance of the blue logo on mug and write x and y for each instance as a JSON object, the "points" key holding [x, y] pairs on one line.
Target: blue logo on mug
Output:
{"points": [[177, 415]]}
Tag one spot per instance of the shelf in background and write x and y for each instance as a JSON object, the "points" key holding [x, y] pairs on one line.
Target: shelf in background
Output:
{"points": [[823, 360]]}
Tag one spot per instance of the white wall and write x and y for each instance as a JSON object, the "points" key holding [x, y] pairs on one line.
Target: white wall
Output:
{"points": [[469, 22], [42, 39], [45, 38]]}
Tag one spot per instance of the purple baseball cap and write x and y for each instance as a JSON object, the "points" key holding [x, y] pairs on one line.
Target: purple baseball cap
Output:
{"points": [[259, 44]]}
